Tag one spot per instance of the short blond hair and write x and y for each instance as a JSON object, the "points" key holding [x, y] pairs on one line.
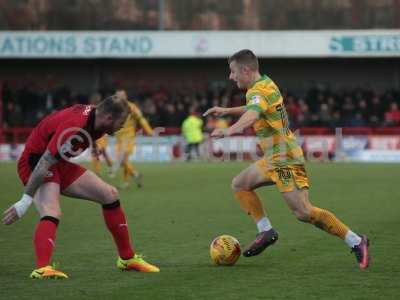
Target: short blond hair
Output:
{"points": [[114, 105], [245, 57]]}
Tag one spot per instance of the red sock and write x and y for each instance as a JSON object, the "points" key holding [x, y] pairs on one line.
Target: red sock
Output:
{"points": [[44, 240], [116, 222]]}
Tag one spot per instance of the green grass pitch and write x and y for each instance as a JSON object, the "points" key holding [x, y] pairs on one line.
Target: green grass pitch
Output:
{"points": [[182, 207]]}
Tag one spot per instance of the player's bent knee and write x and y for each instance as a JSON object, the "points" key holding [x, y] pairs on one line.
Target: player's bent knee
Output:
{"points": [[237, 184], [302, 215], [112, 195], [51, 213], [233, 185]]}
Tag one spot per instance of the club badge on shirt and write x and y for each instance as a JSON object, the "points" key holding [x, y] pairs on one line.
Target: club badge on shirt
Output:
{"points": [[256, 99]]}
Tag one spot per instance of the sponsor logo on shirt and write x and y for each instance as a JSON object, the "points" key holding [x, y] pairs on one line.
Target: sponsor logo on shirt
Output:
{"points": [[87, 110], [76, 141], [255, 99]]}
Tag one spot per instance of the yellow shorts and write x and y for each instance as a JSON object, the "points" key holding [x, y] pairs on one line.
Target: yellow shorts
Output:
{"points": [[102, 143], [287, 179], [126, 145]]}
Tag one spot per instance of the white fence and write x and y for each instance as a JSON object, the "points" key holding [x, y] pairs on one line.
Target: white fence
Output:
{"points": [[198, 44], [361, 148]]}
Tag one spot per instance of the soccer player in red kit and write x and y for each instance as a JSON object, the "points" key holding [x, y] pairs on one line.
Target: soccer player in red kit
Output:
{"points": [[46, 172]]}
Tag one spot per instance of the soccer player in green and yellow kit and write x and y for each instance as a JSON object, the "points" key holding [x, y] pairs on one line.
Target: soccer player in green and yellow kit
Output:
{"points": [[283, 162]]}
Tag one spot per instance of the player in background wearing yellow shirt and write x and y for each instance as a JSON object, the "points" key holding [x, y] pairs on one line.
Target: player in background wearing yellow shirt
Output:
{"points": [[283, 162], [99, 148], [125, 141]]}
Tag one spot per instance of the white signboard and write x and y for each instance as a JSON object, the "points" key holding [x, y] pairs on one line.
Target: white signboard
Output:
{"points": [[197, 44]]}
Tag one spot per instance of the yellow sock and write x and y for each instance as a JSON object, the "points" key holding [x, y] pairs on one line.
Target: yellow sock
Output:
{"points": [[96, 165], [328, 222], [251, 204], [129, 170]]}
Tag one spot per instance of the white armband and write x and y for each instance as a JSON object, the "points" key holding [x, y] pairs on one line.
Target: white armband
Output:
{"points": [[22, 205]]}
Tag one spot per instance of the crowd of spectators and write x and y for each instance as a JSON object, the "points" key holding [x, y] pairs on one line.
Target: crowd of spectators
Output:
{"points": [[198, 14], [167, 107]]}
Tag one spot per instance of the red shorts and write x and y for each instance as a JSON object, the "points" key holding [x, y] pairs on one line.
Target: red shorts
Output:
{"points": [[64, 172]]}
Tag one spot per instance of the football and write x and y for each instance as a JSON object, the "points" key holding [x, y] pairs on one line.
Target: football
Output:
{"points": [[225, 250]]}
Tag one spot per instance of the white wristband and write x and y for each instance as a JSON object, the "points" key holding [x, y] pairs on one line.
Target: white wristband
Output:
{"points": [[22, 205]]}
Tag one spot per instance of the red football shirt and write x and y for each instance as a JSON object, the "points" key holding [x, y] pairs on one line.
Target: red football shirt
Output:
{"points": [[65, 133]]}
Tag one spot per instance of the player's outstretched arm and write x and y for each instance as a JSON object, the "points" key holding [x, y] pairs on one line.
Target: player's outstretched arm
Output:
{"points": [[95, 151], [146, 126], [245, 121], [222, 111], [18, 209]]}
